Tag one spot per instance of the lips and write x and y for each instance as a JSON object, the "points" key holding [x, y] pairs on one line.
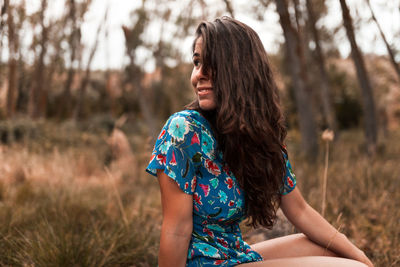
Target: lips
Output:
{"points": [[204, 90]]}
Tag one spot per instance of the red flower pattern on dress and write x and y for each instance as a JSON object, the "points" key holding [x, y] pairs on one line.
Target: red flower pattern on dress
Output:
{"points": [[208, 232], [222, 242], [237, 244], [231, 203], [237, 190], [194, 182], [197, 198], [206, 189], [212, 167], [290, 182], [229, 182], [218, 262], [186, 185], [161, 134], [162, 159], [173, 160], [195, 139]]}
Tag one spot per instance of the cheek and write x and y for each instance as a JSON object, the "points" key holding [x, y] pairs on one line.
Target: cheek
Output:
{"points": [[193, 79]]}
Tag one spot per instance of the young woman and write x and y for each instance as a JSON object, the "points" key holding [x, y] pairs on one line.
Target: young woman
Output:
{"points": [[224, 159]]}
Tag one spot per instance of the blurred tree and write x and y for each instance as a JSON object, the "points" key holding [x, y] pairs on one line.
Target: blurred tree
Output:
{"points": [[166, 89], [38, 95], [363, 79], [319, 60], [75, 18], [388, 47], [229, 8], [297, 67], [13, 43], [3, 13], [23, 74], [56, 63], [348, 110], [134, 73], [79, 111]]}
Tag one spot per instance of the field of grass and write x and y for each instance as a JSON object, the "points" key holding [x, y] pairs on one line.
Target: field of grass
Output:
{"points": [[62, 203]]}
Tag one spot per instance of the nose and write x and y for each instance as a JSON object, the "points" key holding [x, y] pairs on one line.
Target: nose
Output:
{"points": [[201, 74]]}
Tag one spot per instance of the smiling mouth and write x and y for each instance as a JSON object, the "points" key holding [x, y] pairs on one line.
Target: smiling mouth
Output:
{"points": [[204, 90]]}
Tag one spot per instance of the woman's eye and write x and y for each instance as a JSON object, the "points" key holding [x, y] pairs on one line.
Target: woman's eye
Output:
{"points": [[196, 62]]}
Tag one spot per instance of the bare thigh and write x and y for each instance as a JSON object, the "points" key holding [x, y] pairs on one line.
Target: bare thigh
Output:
{"points": [[310, 261], [297, 245]]}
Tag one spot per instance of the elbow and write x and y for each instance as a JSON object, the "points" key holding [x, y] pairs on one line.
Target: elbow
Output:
{"points": [[293, 205], [178, 228]]}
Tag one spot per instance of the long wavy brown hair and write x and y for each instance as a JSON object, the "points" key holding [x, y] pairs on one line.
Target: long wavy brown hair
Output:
{"points": [[248, 122]]}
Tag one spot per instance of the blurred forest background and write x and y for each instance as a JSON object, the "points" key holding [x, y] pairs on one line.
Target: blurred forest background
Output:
{"points": [[75, 138]]}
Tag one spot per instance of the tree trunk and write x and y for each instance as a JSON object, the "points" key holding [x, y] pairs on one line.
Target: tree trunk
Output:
{"points": [[389, 49], [229, 8], [38, 95], [12, 66], [295, 57], [135, 74], [3, 12], [79, 106], [73, 41], [323, 76], [366, 89]]}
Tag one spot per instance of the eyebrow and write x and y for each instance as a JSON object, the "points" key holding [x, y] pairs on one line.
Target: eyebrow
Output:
{"points": [[196, 55]]}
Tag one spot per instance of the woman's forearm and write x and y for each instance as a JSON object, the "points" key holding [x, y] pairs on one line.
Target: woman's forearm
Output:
{"points": [[317, 229], [173, 248]]}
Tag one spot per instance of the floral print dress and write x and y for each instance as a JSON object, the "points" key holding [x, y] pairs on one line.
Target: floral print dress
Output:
{"points": [[187, 152]]}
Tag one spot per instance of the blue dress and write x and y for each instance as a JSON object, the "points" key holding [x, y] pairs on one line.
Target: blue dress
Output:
{"points": [[187, 152]]}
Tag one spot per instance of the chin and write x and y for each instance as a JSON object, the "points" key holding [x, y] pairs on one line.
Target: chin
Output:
{"points": [[207, 106]]}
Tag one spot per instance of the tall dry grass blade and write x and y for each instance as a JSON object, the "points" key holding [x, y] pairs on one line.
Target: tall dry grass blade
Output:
{"points": [[327, 136], [117, 196], [107, 254], [325, 181]]}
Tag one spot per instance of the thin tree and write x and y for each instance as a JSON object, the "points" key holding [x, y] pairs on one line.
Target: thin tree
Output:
{"points": [[56, 60], [13, 43], [84, 83], [38, 95], [297, 68], [229, 8], [388, 47], [73, 41], [3, 12], [134, 73], [323, 76], [23, 79], [75, 18], [370, 124]]}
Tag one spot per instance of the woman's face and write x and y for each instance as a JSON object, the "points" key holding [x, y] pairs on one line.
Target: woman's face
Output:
{"points": [[202, 83]]}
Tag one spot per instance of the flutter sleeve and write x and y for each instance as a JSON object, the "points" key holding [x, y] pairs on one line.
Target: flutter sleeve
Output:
{"points": [[177, 152], [289, 180]]}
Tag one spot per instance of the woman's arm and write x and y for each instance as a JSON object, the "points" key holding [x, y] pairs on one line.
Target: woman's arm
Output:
{"points": [[177, 225], [317, 229]]}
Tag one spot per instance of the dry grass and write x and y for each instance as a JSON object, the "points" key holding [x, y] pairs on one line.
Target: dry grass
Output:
{"points": [[363, 191], [58, 206]]}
